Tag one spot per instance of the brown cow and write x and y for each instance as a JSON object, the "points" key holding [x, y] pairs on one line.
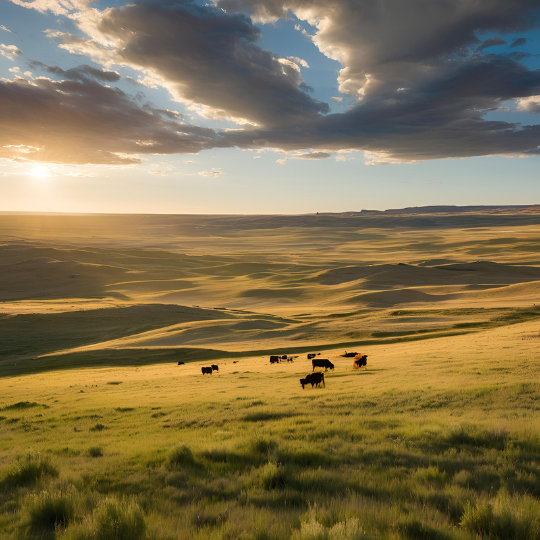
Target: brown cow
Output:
{"points": [[206, 370], [274, 359], [360, 360], [315, 379]]}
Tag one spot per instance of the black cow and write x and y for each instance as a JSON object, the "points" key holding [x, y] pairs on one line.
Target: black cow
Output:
{"points": [[284, 357], [315, 379], [349, 354], [359, 361], [214, 367], [206, 370], [322, 362], [312, 355], [274, 359], [180, 363]]}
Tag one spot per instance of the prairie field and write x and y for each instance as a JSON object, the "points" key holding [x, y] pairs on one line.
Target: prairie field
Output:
{"points": [[104, 436]]}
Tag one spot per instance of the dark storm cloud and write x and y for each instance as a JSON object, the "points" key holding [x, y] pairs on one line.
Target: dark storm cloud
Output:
{"points": [[518, 42], [79, 73], [210, 58], [84, 122], [491, 42], [419, 86], [422, 91]]}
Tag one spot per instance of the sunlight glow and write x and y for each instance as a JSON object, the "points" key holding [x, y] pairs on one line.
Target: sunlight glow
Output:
{"points": [[40, 172]]}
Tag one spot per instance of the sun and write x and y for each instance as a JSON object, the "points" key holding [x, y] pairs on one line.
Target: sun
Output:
{"points": [[40, 172]]}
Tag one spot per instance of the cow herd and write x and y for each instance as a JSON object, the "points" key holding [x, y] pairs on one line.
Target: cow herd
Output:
{"points": [[209, 370], [315, 379]]}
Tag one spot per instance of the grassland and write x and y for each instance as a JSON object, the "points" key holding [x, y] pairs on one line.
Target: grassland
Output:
{"points": [[103, 435]]}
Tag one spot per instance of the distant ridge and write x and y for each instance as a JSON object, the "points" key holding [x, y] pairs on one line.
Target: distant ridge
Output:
{"points": [[441, 209]]}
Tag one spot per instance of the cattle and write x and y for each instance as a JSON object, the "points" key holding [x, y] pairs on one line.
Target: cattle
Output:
{"points": [[315, 379], [312, 355], [214, 367], [359, 361], [180, 363], [349, 354], [291, 358], [206, 370], [274, 359], [322, 362], [284, 357]]}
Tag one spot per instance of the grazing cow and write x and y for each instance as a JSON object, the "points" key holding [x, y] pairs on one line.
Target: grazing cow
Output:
{"points": [[284, 357], [180, 363], [315, 379], [291, 358], [359, 361], [214, 367], [312, 355], [235, 362], [206, 370], [349, 354], [322, 362], [274, 359]]}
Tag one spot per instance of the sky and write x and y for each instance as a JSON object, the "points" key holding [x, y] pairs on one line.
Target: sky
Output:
{"points": [[268, 106]]}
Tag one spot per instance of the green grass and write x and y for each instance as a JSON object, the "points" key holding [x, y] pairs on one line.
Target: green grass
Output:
{"points": [[437, 440], [28, 470]]}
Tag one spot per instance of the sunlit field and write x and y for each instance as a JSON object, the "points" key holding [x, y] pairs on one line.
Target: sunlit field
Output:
{"points": [[103, 435]]}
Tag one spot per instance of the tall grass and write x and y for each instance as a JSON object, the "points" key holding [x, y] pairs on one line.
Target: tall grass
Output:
{"points": [[49, 511], [503, 518], [28, 470]]}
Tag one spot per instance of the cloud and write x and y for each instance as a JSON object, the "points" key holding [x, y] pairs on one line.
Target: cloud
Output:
{"points": [[418, 87], [214, 173], [2, 27], [491, 42], [421, 90], [337, 99], [10, 51], [298, 61], [203, 55], [81, 122], [303, 156], [518, 42], [80, 73], [530, 104], [58, 7]]}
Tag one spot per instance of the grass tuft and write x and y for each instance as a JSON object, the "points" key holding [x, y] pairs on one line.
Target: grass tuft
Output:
{"points": [[504, 518], [350, 529], [272, 476], [21, 405], [28, 471], [113, 519], [95, 451], [181, 456], [49, 511]]}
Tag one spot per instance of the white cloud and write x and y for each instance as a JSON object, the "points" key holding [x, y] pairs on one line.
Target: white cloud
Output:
{"points": [[298, 60], [530, 104], [2, 27], [214, 173], [10, 51]]}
